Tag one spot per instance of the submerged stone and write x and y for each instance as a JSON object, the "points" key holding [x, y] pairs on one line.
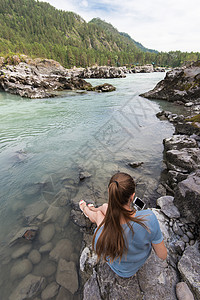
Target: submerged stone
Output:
{"points": [[50, 291], [49, 269], [64, 294], [21, 269], [34, 256], [47, 233], [63, 249], [67, 275], [46, 248], [21, 251], [29, 287]]}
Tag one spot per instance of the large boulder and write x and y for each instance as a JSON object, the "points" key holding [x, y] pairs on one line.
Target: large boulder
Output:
{"points": [[143, 69], [104, 88], [105, 284], [180, 84], [155, 280], [187, 197], [189, 267], [177, 142], [184, 160]]}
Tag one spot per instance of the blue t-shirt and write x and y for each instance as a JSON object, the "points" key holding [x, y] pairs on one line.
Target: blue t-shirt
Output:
{"points": [[139, 246]]}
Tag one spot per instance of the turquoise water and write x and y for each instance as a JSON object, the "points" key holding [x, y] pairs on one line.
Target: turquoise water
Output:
{"points": [[46, 143]]}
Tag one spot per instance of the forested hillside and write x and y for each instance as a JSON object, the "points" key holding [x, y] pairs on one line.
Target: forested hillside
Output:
{"points": [[38, 29]]}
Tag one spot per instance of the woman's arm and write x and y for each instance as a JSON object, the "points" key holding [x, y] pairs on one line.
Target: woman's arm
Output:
{"points": [[96, 215], [161, 250], [103, 208]]}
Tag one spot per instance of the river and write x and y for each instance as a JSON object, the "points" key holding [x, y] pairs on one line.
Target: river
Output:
{"points": [[46, 143]]}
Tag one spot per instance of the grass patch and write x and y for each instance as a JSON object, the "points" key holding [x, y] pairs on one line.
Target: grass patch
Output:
{"points": [[194, 119]]}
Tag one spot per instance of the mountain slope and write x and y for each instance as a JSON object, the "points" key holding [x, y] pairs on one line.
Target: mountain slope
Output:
{"points": [[139, 45], [38, 29], [109, 28]]}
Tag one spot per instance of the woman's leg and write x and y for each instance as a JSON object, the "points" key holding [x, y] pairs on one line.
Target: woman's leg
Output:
{"points": [[94, 216]]}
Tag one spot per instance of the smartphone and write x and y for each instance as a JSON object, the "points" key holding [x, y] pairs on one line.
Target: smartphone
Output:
{"points": [[138, 203]]}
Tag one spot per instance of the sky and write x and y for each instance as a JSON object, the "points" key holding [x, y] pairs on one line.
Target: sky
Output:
{"points": [[163, 25]]}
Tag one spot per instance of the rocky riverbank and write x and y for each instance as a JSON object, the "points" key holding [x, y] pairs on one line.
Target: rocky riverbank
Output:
{"points": [[43, 78], [182, 159], [114, 72], [180, 85]]}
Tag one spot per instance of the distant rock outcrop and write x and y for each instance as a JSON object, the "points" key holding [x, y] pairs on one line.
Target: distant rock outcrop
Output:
{"points": [[102, 72], [143, 69], [179, 84]]}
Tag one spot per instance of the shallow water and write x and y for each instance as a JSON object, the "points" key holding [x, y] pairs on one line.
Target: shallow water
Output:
{"points": [[45, 144]]}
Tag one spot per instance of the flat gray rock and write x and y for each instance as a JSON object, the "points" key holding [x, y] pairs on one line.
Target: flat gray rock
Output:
{"points": [[157, 279], [166, 203], [183, 292]]}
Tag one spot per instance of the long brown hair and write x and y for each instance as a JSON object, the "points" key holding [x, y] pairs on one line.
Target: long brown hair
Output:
{"points": [[111, 242]]}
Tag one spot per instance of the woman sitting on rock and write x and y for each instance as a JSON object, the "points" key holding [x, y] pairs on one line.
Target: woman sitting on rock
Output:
{"points": [[124, 237]]}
